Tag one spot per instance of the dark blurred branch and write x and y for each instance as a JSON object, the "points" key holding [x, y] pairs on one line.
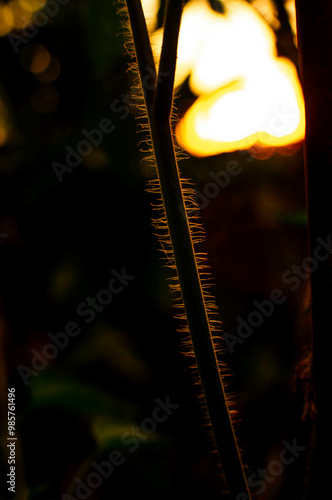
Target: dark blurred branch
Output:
{"points": [[314, 21]]}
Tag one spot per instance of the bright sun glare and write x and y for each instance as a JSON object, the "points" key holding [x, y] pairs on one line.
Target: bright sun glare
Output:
{"points": [[247, 96]]}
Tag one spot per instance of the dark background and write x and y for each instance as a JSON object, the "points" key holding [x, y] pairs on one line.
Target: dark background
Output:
{"points": [[64, 239]]}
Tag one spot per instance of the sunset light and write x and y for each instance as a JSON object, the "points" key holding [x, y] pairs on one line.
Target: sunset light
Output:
{"points": [[247, 95], [268, 111]]}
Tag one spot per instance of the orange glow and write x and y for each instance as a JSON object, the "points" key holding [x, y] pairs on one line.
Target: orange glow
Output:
{"points": [[3, 122], [290, 8], [41, 60], [6, 20], [52, 71], [151, 8], [268, 10], [18, 14], [22, 18], [231, 48], [3, 136], [32, 5], [247, 96], [268, 111], [3, 113]]}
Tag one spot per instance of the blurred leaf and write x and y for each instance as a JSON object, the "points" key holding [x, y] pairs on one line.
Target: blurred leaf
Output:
{"points": [[110, 434]]}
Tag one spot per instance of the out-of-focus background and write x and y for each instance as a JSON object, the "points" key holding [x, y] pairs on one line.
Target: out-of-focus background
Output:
{"points": [[89, 365]]}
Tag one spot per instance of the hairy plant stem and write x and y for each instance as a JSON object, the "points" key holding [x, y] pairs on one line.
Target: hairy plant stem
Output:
{"points": [[159, 115]]}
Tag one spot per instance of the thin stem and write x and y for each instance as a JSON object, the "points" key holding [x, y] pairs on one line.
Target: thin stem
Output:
{"points": [[185, 260], [163, 99], [144, 56]]}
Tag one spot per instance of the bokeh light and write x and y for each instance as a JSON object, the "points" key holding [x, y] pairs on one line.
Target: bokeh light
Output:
{"points": [[18, 14], [36, 58], [268, 111], [151, 8], [3, 136], [290, 8], [52, 71], [6, 19], [247, 95], [3, 122], [268, 10], [32, 5]]}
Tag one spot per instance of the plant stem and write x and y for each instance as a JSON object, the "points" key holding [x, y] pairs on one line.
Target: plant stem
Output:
{"points": [[184, 254], [144, 56]]}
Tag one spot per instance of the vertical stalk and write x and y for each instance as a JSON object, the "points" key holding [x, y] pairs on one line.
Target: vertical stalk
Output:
{"points": [[184, 255], [314, 21], [143, 51]]}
